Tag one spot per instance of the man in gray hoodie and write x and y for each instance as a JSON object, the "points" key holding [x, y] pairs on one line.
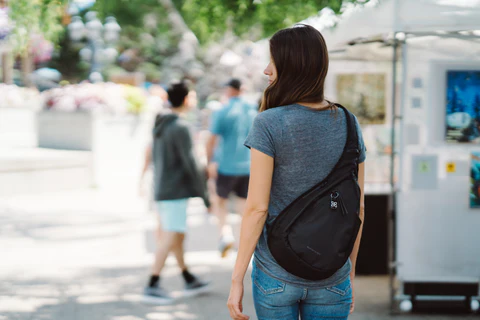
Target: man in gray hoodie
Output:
{"points": [[176, 179]]}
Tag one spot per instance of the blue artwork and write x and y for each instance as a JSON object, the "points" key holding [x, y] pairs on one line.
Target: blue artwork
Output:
{"points": [[475, 181], [463, 106]]}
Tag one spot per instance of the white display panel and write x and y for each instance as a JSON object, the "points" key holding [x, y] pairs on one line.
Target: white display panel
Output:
{"points": [[437, 232]]}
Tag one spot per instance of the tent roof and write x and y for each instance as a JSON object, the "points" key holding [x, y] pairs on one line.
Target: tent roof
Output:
{"points": [[426, 16]]}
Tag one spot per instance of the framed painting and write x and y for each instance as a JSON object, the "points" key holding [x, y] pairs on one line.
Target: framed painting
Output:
{"points": [[463, 107], [364, 95]]}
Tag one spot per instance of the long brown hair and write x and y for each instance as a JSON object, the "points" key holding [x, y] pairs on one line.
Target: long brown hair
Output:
{"points": [[300, 56]]}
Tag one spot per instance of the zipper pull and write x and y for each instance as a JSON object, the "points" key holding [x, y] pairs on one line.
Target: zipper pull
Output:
{"points": [[336, 201], [333, 200]]}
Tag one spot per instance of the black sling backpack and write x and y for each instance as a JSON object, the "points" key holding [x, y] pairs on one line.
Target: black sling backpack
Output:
{"points": [[314, 236]]}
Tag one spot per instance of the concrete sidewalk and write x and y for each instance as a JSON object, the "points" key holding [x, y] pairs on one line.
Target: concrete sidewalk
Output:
{"points": [[86, 255]]}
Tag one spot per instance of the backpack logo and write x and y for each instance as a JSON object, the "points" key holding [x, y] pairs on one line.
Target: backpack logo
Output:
{"points": [[333, 205]]}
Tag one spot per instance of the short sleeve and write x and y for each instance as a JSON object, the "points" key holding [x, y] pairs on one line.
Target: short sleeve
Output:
{"points": [[216, 123], [260, 136], [361, 143]]}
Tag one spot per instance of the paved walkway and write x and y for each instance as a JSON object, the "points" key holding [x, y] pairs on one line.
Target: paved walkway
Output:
{"points": [[86, 254]]}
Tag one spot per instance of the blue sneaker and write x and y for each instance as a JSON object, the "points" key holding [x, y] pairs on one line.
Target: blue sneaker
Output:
{"points": [[156, 295], [196, 287]]}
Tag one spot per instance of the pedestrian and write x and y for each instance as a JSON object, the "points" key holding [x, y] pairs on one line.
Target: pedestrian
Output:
{"points": [[176, 179], [296, 141], [228, 160]]}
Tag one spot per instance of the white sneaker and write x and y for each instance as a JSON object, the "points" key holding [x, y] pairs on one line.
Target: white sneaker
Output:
{"points": [[226, 244]]}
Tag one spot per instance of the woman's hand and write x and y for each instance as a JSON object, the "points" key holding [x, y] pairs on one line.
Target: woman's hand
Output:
{"points": [[235, 302]]}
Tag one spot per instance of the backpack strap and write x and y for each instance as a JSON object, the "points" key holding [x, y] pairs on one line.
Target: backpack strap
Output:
{"points": [[352, 134], [349, 157]]}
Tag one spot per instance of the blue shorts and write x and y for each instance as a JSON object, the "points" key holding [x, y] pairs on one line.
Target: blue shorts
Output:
{"points": [[173, 214]]}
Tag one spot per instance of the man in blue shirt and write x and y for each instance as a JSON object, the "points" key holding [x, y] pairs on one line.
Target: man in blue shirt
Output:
{"points": [[229, 165]]}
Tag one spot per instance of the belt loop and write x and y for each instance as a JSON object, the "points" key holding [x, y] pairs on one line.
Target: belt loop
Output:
{"points": [[305, 292]]}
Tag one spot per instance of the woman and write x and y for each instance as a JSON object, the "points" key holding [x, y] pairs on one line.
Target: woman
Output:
{"points": [[295, 142]]}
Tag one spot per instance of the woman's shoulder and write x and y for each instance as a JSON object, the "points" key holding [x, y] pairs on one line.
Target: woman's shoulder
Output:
{"points": [[270, 118], [275, 112]]}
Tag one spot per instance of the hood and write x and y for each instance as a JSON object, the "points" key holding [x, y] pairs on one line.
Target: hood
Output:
{"points": [[161, 122]]}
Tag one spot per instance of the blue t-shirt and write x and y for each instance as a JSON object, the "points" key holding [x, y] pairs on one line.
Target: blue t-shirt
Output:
{"points": [[232, 124], [306, 144]]}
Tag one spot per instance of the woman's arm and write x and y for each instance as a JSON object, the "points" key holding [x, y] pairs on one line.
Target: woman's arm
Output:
{"points": [[361, 215], [255, 212], [254, 217]]}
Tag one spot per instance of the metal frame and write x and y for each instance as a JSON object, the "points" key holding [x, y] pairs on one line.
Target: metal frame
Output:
{"points": [[393, 196]]}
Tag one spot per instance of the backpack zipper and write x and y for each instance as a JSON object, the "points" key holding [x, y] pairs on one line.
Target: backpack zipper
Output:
{"points": [[337, 201]]}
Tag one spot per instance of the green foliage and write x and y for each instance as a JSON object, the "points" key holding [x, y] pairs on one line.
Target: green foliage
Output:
{"points": [[35, 17], [145, 28], [66, 60], [210, 19], [151, 71]]}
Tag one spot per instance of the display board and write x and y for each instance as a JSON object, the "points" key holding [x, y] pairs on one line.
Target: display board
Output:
{"points": [[437, 215]]}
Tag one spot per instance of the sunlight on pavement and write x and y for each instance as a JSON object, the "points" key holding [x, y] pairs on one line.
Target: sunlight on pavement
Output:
{"points": [[159, 316], [22, 304], [184, 315], [96, 299]]}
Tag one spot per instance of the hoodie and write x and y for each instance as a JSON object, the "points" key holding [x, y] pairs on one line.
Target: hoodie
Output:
{"points": [[177, 175]]}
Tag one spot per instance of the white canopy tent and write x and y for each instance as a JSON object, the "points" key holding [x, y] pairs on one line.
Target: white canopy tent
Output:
{"points": [[426, 38], [407, 16]]}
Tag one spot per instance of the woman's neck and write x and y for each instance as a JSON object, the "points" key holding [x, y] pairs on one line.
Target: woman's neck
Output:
{"points": [[316, 105]]}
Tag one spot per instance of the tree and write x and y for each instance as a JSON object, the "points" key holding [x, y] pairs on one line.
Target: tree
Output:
{"points": [[156, 27], [210, 19], [31, 17], [35, 17], [147, 28]]}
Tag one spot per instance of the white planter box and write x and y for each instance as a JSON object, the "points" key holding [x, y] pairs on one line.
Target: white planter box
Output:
{"points": [[66, 130], [117, 143], [18, 127]]}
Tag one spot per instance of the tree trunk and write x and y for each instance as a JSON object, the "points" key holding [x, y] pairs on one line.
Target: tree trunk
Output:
{"points": [[27, 69], [7, 67]]}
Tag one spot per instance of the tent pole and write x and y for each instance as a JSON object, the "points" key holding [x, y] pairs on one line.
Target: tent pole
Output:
{"points": [[393, 200]]}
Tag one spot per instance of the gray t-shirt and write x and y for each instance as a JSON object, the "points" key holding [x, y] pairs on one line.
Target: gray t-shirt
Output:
{"points": [[306, 144]]}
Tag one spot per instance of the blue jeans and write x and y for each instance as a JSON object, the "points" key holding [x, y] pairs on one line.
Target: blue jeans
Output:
{"points": [[275, 300]]}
